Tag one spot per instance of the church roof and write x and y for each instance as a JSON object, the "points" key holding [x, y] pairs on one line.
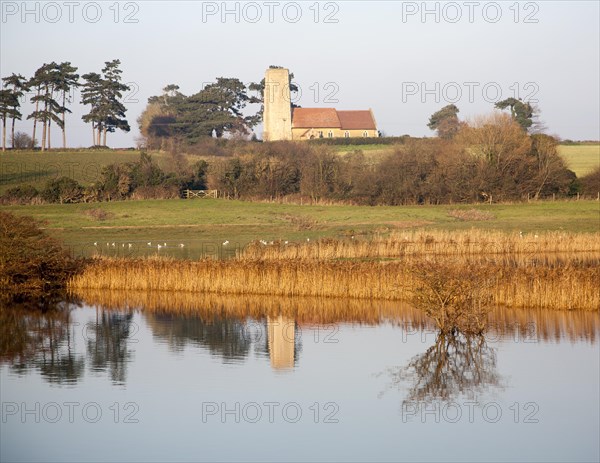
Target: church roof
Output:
{"points": [[306, 118], [362, 120], [315, 117]]}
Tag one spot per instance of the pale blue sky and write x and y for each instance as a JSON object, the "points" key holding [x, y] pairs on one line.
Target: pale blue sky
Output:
{"points": [[382, 55]]}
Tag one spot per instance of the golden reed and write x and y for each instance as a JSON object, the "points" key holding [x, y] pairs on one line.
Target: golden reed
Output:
{"points": [[545, 285], [458, 244]]}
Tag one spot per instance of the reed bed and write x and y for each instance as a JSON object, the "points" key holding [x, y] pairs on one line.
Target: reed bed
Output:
{"points": [[521, 325], [458, 244], [564, 285]]}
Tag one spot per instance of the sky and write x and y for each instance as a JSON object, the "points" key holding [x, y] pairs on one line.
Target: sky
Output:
{"points": [[404, 60]]}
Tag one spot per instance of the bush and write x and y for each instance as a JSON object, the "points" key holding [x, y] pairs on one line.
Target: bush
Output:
{"points": [[23, 141], [62, 190], [590, 183], [33, 266], [98, 214], [156, 192], [20, 195], [360, 141]]}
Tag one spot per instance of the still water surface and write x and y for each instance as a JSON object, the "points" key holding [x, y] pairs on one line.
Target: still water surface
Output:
{"points": [[238, 382]]}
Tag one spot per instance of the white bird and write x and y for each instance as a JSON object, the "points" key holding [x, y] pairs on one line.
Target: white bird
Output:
{"points": [[129, 245], [181, 245], [107, 245], [113, 245], [149, 243], [95, 243], [285, 242], [263, 242], [536, 237], [158, 246], [225, 243], [165, 245], [307, 240], [123, 245]]}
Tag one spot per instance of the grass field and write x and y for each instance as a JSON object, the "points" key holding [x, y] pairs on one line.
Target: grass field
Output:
{"points": [[581, 159], [202, 225], [36, 168]]}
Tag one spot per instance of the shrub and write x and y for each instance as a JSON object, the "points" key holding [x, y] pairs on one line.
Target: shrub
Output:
{"points": [[62, 190], [456, 296], [33, 266], [590, 183], [23, 141], [156, 192], [98, 214], [20, 195]]}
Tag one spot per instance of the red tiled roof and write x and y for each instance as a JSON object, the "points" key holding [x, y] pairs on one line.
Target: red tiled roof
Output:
{"points": [[330, 118], [357, 120], [315, 117]]}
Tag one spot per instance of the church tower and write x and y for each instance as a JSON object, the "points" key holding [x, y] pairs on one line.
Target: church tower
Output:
{"points": [[277, 117]]}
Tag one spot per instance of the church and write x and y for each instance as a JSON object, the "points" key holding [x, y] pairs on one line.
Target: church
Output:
{"points": [[282, 122]]}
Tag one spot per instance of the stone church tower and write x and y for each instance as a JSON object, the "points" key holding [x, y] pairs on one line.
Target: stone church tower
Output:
{"points": [[281, 122], [277, 117]]}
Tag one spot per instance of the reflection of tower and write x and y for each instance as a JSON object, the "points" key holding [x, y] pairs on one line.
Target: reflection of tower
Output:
{"points": [[277, 117], [281, 333]]}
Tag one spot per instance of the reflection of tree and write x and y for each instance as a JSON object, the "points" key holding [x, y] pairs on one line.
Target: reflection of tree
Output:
{"points": [[453, 366], [223, 337], [107, 344], [36, 340]]}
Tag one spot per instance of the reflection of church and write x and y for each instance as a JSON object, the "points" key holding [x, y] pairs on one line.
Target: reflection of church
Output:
{"points": [[281, 335]]}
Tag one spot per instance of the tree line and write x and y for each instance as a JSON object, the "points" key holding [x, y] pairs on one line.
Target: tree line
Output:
{"points": [[52, 86], [490, 160]]}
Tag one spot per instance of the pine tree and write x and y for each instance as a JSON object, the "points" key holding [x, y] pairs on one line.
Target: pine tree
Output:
{"points": [[17, 84], [67, 80], [103, 93], [46, 80]]}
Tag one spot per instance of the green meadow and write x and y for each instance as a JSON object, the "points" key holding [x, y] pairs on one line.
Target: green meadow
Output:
{"points": [[207, 223], [581, 159]]}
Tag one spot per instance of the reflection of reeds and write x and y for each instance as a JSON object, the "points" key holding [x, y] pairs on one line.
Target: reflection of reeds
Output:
{"points": [[571, 285], [522, 325]]}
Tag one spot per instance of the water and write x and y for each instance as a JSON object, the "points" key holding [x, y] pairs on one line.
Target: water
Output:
{"points": [[234, 379]]}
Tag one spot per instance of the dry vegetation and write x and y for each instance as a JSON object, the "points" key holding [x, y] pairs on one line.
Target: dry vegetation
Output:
{"points": [[552, 271]]}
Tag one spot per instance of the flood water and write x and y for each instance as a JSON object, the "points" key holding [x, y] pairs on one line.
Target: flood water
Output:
{"points": [[173, 378]]}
